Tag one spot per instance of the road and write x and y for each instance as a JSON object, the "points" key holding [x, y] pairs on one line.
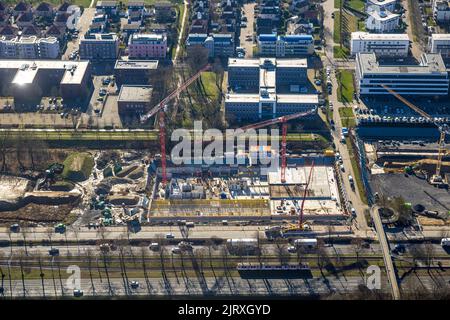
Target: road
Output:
{"points": [[392, 277], [416, 50], [353, 196], [183, 27], [199, 232], [249, 11], [83, 26]]}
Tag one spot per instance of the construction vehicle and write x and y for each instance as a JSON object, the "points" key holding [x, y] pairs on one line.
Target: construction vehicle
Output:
{"points": [[291, 229], [436, 179], [160, 108]]}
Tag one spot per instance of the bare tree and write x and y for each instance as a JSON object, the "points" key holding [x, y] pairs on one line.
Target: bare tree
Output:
{"points": [[24, 232], [88, 254], [281, 251], [41, 273], [49, 233], [430, 252], [357, 247]]}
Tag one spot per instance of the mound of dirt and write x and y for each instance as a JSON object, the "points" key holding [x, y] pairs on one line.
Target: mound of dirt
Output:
{"points": [[78, 166]]}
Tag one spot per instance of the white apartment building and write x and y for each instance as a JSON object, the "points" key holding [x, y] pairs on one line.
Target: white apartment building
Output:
{"points": [[271, 45], [29, 48], [383, 45], [381, 20], [382, 4], [440, 43], [441, 11], [99, 46]]}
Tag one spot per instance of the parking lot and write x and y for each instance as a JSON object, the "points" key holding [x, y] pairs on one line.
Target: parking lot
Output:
{"points": [[246, 36]]}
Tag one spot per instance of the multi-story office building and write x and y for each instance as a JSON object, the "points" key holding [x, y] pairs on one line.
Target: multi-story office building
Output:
{"points": [[260, 88], [381, 20], [135, 72], [271, 45], [147, 45], [440, 43], [428, 78], [29, 48], [218, 45], [30, 80], [99, 46], [383, 45], [441, 11]]}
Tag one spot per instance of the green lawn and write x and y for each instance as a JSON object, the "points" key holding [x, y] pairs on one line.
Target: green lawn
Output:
{"points": [[345, 88], [347, 117], [209, 83], [361, 25], [349, 25], [340, 53], [337, 4], [356, 4]]}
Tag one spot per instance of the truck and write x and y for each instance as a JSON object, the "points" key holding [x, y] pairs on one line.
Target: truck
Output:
{"points": [[445, 242]]}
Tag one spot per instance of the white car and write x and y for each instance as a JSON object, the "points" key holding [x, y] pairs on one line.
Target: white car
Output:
{"points": [[176, 250], [170, 236], [342, 168], [353, 211]]}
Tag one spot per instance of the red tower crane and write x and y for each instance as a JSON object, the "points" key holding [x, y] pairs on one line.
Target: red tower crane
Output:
{"points": [[300, 218], [283, 120], [159, 108]]}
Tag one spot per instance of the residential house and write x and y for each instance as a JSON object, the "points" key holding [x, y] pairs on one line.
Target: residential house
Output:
{"points": [[44, 9], [9, 32], [107, 7], [55, 32], [129, 29], [164, 11], [31, 31], [62, 9], [25, 19], [20, 8], [61, 19]]}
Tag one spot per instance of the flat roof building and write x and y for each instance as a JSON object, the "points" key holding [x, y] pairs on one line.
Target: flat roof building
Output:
{"points": [[260, 88], [381, 20], [134, 99], [33, 79], [428, 78], [99, 46], [440, 43], [147, 45], [271, 45], [135, 72], [382, 44]]}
